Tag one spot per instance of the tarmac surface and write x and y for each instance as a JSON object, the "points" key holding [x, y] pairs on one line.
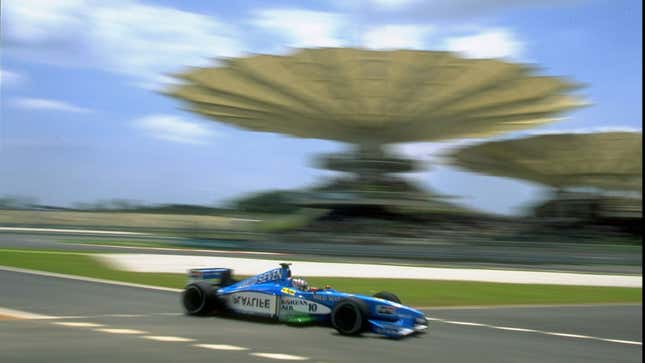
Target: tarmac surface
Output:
{"points": [[84, 321]]}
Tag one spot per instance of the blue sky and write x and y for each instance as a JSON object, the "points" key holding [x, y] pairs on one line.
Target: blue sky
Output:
{"points": [[82, 121]]}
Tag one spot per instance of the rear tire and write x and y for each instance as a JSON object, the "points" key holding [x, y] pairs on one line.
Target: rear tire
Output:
{"points": [[385, 295], [199, 298], [349, 316]]}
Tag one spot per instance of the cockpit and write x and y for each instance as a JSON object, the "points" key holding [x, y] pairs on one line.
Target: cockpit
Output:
{"points": [[300, 283]]}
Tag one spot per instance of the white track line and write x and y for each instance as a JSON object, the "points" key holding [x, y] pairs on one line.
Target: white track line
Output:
{"points": [[102, 316], [219, 347], [517, 329], [463, 323], [124, 315], [78, 324], [166, 338], [160, 338], [19, 314], [120, 331], [279, 356], [88, 279], [557, 334], [79, 231], [623, 341], [65, 317], [523, 306], [23, 315]]}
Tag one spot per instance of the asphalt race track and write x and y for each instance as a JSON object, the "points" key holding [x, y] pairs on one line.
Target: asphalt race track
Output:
{"points": [[85, 321]]}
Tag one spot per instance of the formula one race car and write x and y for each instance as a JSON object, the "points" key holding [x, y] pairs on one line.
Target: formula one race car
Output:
{"points": [[276, 294]]}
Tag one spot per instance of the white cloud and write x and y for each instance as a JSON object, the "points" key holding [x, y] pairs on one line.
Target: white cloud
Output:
{"points": [[47, 104], [10, 78], [417, 11], [122, 36], [396, 36], [175, 129], [490, 43], [303, 28]]}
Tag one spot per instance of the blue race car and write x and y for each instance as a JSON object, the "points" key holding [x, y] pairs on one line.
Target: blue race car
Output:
{"points": [[276, 294]]}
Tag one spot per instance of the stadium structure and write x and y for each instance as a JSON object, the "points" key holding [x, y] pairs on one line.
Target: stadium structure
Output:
{"points": [[594, 177], [369, 100]]}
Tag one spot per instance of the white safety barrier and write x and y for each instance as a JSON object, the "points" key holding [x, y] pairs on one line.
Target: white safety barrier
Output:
{"points": [[250, 266]]}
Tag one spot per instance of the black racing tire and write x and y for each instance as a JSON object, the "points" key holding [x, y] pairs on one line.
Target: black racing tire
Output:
{"points": [[199, 298], [349, 316], [385, 295]]}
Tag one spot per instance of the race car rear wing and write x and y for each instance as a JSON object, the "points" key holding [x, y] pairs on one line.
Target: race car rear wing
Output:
{"points": [[215, 276], [223, 276]]}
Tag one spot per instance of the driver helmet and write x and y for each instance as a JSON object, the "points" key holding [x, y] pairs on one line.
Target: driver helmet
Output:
{"points": [[300, 283]]}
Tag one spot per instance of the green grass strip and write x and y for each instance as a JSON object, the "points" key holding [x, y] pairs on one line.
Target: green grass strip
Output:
{"points": [[463, 293], [412, 292], [75, 263]]}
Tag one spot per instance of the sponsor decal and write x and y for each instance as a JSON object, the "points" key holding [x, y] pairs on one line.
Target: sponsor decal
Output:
{"points": [[326, 297], [288, 291], [272, 275], [213, 275], [385, 309], [297, 305], [252, 302]]}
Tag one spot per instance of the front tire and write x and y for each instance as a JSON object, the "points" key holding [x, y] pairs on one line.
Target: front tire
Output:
{"points": [[349, 316], [199, 298], [385, 295]]}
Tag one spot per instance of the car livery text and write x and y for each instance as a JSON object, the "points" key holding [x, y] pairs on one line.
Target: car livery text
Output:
{"points": [[252, 302], [272, 275], [289, 304]]}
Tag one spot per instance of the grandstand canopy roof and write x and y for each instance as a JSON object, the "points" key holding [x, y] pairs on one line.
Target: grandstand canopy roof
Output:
{"points": [[360, 96], [610, 160]]}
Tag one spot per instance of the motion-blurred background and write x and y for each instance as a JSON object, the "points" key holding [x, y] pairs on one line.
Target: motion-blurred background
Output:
{"points": [[472, 131]]}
